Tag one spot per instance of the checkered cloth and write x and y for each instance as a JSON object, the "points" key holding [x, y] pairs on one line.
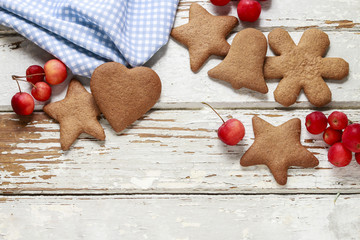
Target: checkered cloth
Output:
{"points": [[87, 33]]}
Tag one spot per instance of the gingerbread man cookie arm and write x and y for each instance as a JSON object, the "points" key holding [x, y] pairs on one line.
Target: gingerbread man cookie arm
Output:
{"points": [[315, 42], [287, 92], [273, 68], [280, 41], [317, 92], [334, 68]]}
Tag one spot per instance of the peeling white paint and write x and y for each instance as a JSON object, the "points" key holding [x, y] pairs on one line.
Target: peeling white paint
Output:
{"points": [[143, 183]]}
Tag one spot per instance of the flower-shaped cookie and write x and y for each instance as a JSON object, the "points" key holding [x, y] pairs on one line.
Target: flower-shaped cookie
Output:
{"points": [[302, 66]]}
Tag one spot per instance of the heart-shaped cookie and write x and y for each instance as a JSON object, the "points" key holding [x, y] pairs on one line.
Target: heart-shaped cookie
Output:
{"points": [[123, 95]]}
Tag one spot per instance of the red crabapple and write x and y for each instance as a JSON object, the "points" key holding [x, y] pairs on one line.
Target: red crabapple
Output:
{"points": [[34, 74], [357, 157], [338, 120], [351, 137], [316, 122], [248, 10], [55, 71], [332, 136], [230, 132], [22, 103], [339, 155], [41, 91], [219, 2]]}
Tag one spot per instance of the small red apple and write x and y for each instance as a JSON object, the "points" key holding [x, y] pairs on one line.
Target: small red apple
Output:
{"points": [[34, 74], [332, 136], [230, 132], [41, 91], [357, 157], [248, 10], [339, 155], [316, 122], [22, 103], [219, 2], [351, 137], [55, 71], [338, 120]]}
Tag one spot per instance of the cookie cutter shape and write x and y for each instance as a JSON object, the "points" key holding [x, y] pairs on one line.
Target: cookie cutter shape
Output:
{"points": [[278, 147], [243, 66], [204, 35], [77, 113], [302, 66]]}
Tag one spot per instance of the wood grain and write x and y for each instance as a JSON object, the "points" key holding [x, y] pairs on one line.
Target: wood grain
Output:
{"points": [[339, 20], [172, 151], [293, 16], [143, 183], [180, 217]]}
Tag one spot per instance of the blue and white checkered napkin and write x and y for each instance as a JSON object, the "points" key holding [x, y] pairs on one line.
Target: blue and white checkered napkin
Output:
{"points": [[87, 33]]}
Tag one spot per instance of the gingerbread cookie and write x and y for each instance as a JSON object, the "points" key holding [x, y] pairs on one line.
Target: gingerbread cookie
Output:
{"points": [[77, 113], [204, 35], [243, 66], [278, 148], [302, 67], [124, 95]]}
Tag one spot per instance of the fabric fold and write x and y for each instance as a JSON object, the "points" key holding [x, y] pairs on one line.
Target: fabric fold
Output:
{"points": [[86, 33]]}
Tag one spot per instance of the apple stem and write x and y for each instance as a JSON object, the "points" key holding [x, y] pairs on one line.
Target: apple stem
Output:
{"points": [[31, 75], [213, 110], [17, 79], [18, 84]]}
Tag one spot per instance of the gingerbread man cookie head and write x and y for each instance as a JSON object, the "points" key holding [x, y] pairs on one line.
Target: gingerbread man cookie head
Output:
{"points": [[302, 66]]}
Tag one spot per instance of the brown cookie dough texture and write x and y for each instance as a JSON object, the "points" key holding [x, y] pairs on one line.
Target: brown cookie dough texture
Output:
{"points": [[243, 66], [124, 95], [302, 66], [77, 113], [278, 147], [204, 35]]}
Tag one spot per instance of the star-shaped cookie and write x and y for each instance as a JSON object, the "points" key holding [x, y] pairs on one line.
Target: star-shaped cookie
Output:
{"points": [[204, 35], [278, 147], [302, 66], [77, 113], [243, 66]]}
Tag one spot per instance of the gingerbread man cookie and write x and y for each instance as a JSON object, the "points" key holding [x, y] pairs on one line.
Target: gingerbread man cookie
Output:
{"points": [[204, 35], [278, 148], [302, 66]]}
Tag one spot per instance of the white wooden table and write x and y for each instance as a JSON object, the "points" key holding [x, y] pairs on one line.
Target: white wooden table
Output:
{"points": [[168, 176]]}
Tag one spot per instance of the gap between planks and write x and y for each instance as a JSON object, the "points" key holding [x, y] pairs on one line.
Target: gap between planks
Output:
{"points": [[163, 194]]}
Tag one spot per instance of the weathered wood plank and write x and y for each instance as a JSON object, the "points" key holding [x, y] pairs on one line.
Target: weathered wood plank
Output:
{"points": [[168, 151], [294, 16], [330, 15], [180, 217], [181, 87]]}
